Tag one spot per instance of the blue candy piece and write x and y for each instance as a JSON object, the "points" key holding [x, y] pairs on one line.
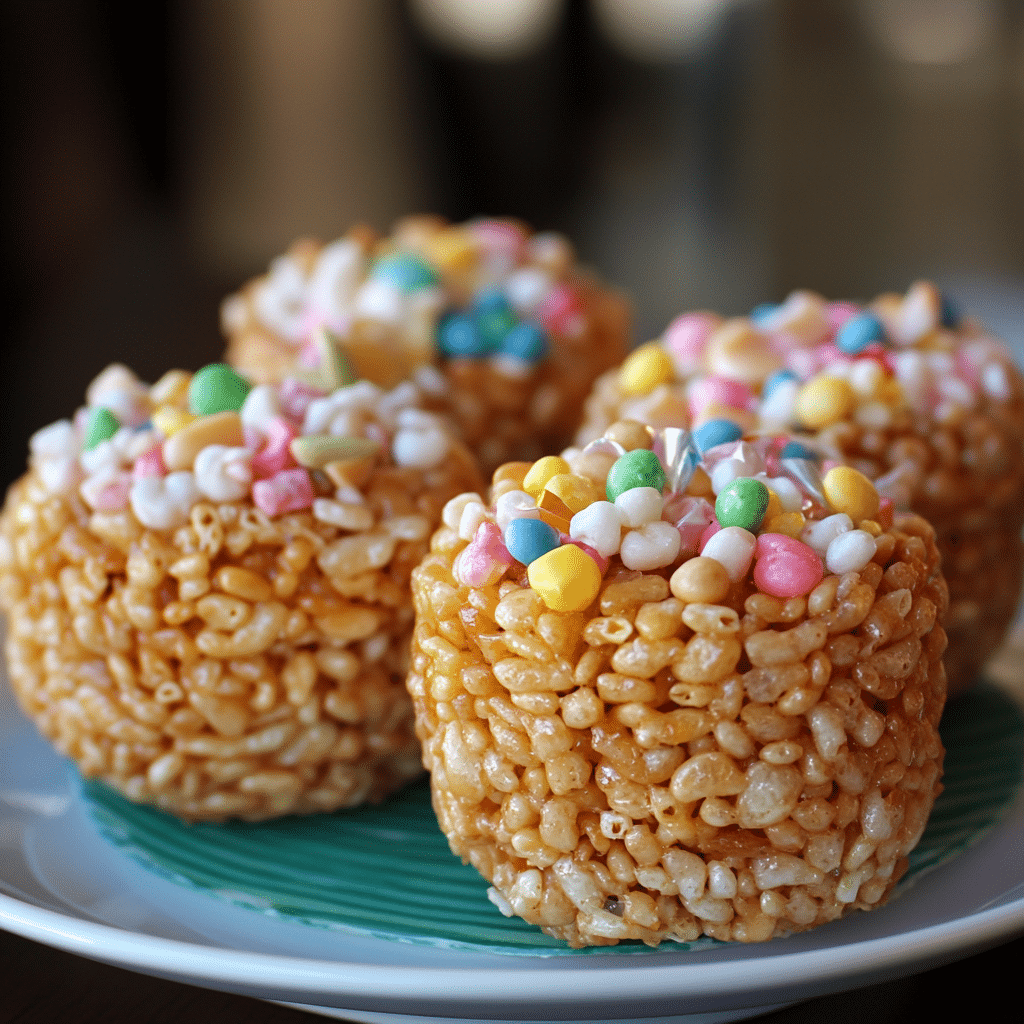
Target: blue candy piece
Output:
{"points": [[777, 378], [715, 432], [525, 341], [528, 539], [951, 314], [493, 317], [405, 271], [458, 337], [796, 450], [762, 312], [858, 332]]}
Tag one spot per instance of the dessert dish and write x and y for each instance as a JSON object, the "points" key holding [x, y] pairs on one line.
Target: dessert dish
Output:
{"points": [[921, 399], [652, 713], [207, 587], [501, 328]]}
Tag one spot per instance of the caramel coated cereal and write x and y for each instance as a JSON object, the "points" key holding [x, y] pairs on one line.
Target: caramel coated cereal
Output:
{"points": [[228, 637]]}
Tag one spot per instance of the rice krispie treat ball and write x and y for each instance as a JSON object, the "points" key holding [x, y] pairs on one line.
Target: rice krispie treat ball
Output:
{"points": [[650, 713], [922, 400], [502, 328], [207, 586]]}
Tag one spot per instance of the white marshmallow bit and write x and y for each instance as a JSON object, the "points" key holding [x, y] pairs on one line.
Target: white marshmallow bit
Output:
{"points": [[261, 405], [850, 552], [223, 473], [734, 548], [600, 526], [639, 505], [381, 301], [56, 439], [818, 535], [451, 515], [279, 299], [333, 282], [472, 516], [650, 547], [515, 505], [164, 503]]}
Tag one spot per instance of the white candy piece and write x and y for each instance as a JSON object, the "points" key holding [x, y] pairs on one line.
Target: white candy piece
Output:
{"points": [[850, 552], [650, 547], [99, 486], [105, 456], [380, 301], [451, 514], [786, 490], [818, 535], [59, 474], [734, 548], [472, 516], [57, 439], [261, 405], [333, 282], [331, 415], [724, 473], [223, 473], [394, 403], [280, 298], [163, 503], [640, 505], [995, 381], [514, 505], [527, 288], [600, 526], [420, 448], [431, 381], [778, 408]]}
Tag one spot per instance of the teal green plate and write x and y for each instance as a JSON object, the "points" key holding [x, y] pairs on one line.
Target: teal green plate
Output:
{"points": [[386, 871]]}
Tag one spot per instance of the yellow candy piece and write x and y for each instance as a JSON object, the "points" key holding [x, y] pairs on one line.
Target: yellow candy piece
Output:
{"points": [[870, 526], [645, 369], [541, 472], [452, 250], [774, 507], [554, 511], [577, 492], [850, 491], [566, 578], [169, 420], [823, 401], [171, 388], [789, 523]]}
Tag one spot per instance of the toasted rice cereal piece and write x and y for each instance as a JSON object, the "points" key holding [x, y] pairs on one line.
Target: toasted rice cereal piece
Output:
{"points": [[682, 755], [385, 298], [242, 664], [935, 415]]}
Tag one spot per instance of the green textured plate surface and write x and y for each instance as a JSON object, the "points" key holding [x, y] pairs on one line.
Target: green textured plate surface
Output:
{"points": [[387, 870]]}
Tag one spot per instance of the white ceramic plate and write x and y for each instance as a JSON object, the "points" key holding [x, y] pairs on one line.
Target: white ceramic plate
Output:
{"points": [[62, 883]]}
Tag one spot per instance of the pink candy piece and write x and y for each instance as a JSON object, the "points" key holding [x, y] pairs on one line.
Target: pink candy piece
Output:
{"points": [[288, 491], [708, 533], [560, 312], [785, 567], [837, 313], [499, 236], [721, 391], [276, 454], [114, 496], [296, 396], [150, 464], [687, 337], [485, 559]]}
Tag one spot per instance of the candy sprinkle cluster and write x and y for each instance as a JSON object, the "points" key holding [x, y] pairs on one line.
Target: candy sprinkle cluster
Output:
{"points": [[655, 498], [501, 328], [212, 436]]}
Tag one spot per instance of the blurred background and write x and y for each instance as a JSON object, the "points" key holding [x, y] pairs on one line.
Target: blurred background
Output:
{"points": [[700, 153]]}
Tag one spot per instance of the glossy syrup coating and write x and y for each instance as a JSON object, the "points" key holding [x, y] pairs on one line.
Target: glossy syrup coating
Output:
{"points": [[917, 397], [208, 605], [684, 752]]}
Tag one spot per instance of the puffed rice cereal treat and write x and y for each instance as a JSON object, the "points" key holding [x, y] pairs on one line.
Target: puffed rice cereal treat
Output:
{"points": [[921, 399], [502, 328], [652, 713], [207, 586]]}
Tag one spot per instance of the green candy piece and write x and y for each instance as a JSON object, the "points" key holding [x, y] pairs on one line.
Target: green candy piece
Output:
{"points": [[102, 426], [217, 388], [638, 468], [742, 503]]}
